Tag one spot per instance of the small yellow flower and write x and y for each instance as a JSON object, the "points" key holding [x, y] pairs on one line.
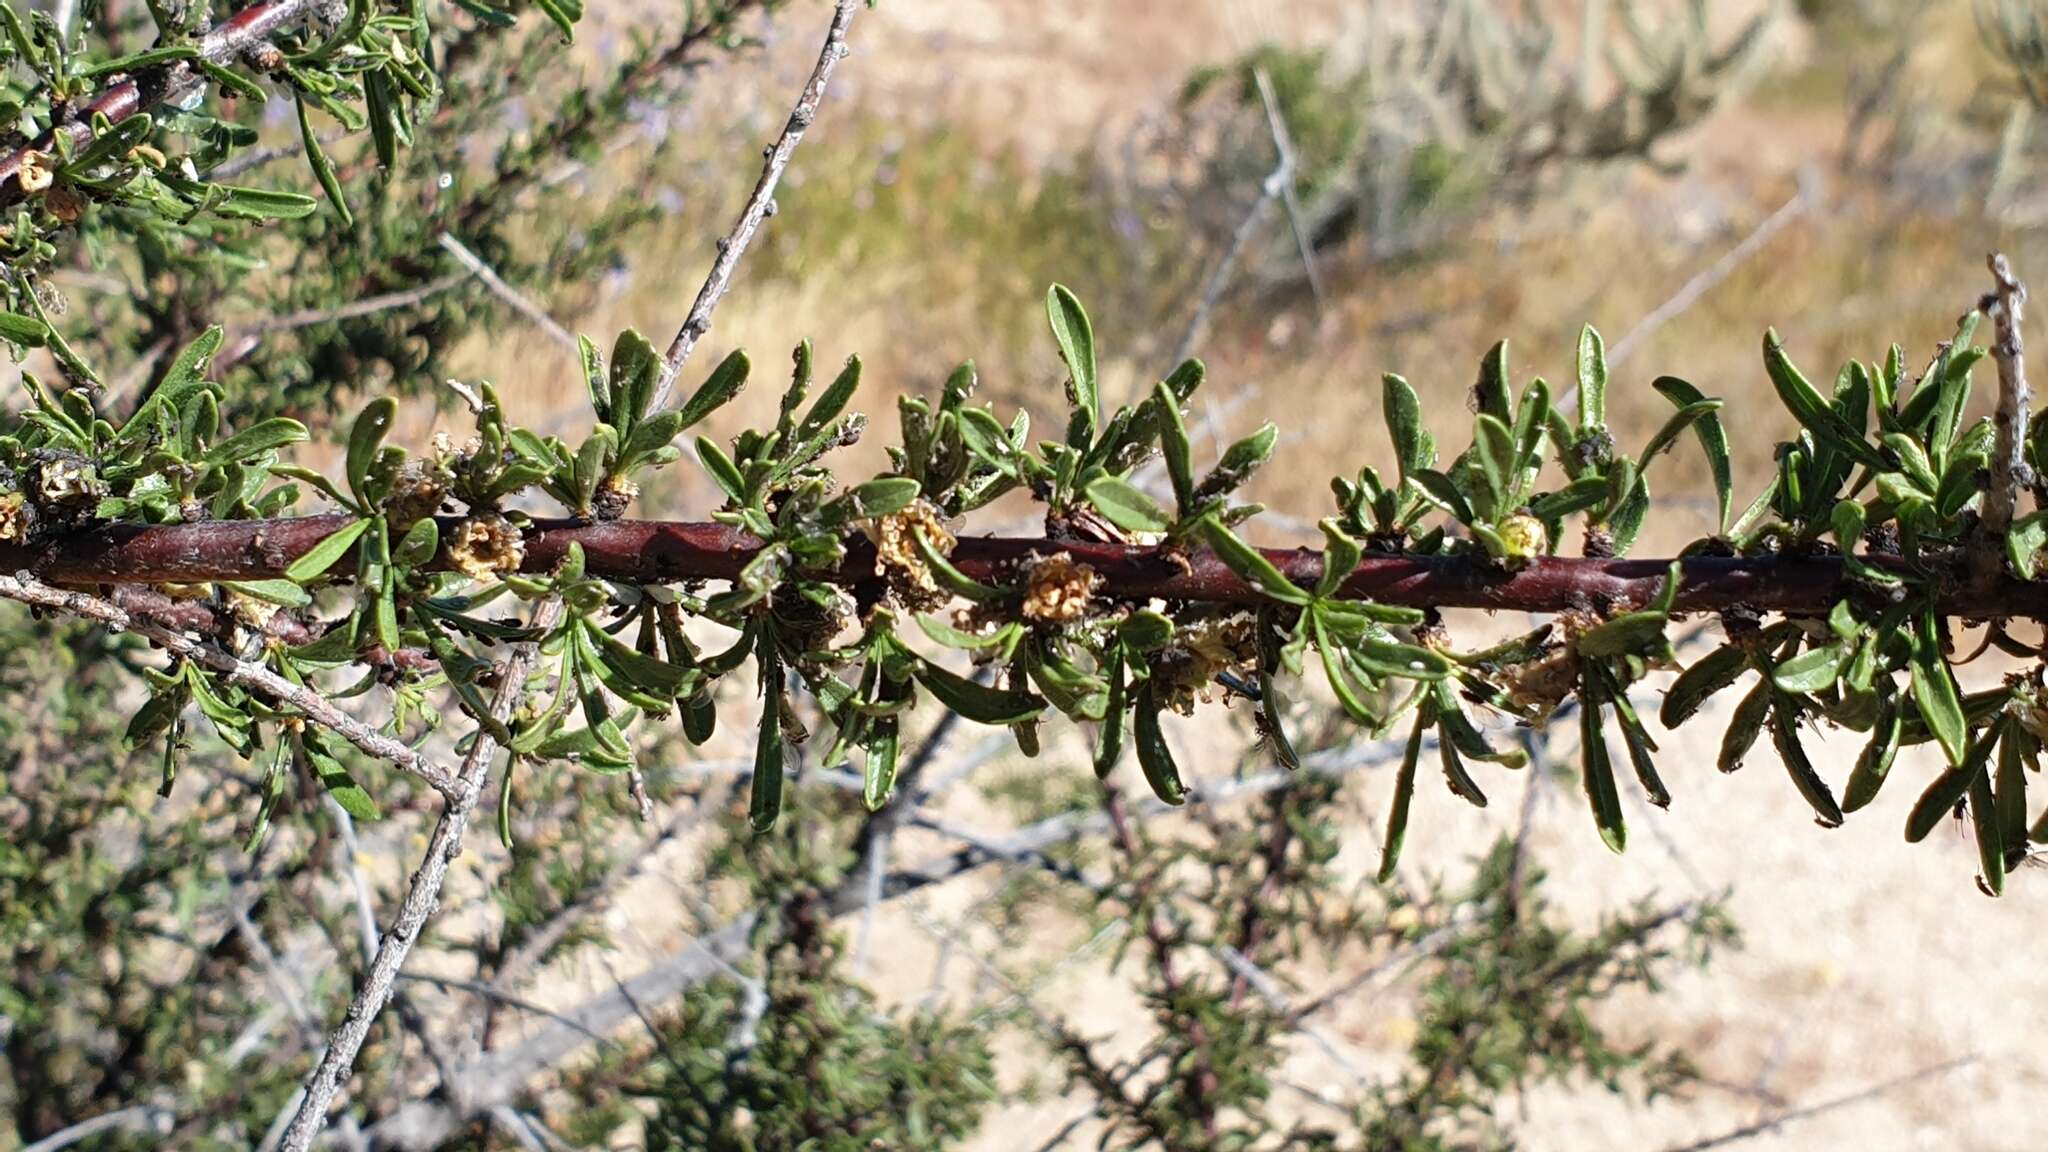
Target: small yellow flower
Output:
{"points": [[1524, 537]]}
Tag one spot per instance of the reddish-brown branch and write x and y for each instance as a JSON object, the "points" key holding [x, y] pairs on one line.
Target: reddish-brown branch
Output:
{"points": [[650, 552], [150, 87]]}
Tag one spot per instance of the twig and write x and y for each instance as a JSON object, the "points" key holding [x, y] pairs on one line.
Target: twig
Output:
{"points": [[1708, 279], [1807, 1112], [148, 1117], [421, 899], [1270, 991], [507, 293], [2009, 472], [760, 204], [367, 306], [254, 677], [497, 995], [1283, 144]]}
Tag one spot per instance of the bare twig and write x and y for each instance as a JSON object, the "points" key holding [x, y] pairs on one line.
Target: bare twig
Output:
{"points": [[137, 1117], [2009, 473], [421, 899], [1283, 144], [254, 677], [1694, 290], [760, 204], [367, 306], [1806, 1112], [510, 295]]}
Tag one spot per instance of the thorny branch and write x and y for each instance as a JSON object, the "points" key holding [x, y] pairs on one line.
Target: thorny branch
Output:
{"points": [[649, 551]]}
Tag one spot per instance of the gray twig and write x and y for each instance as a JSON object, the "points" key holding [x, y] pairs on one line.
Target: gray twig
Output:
{"points": [[1283, 143], [760, 204], [256, 678], [508, 293], [1709, 278], [2004, 304], [136, 1117], [1791, 1115], [421, 899]]}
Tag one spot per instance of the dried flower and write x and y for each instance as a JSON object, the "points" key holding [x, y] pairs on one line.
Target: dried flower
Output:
{"points": [[896, 558], [17, 516], [36, 173], [1057, 589], [486, 546], [67, 484]]}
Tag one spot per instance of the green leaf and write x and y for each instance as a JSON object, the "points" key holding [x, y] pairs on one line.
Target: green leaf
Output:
{"points": [[1490, 392], [1713, 439], [724, 383], [1875, 761], [1694, 686], [24, 330], [565, 14], [978, 702], [1153, 755], [365, 437], [1126, 506], [257, 439], [1340, 558], [1441, 490], [1110, 737], [1494, 444], [1629, 633], [1815, 413], [1174, 446], [2023, 542], [884, 751], [1785, 735], [1250, 564], [1592, 366], [323, 555], [1145, 631], [1990, 836], [1598, 776], [1403, 409], [1745, 726], [283, 593], [1934, 693], [765, 801], [1814, 670], [1076, 339], [830, 404], [1404, 794], [323, 168], [1948, 790], [1239, 462]]}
